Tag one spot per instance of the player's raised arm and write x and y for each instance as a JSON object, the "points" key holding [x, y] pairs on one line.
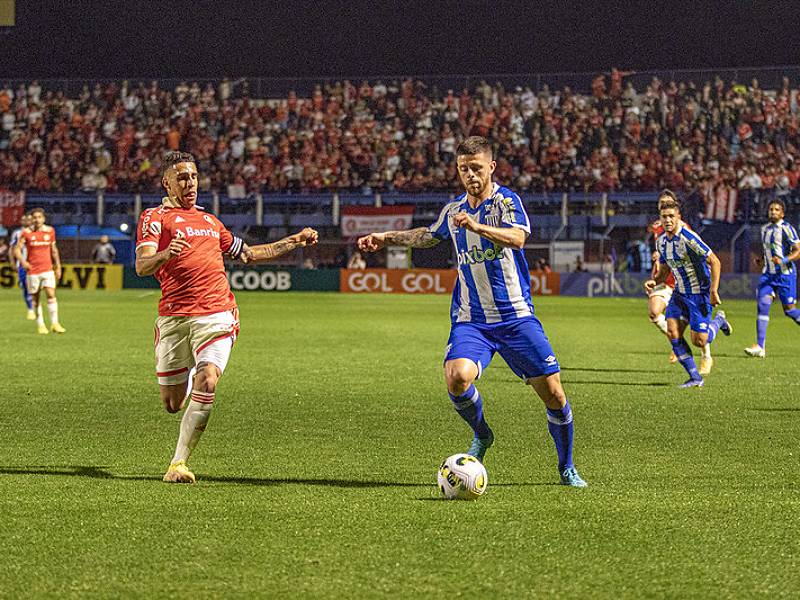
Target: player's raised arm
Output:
{"points": [[262, 252], [420, 237]]}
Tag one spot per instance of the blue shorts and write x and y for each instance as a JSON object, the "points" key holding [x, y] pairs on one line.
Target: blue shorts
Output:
{"points": [[780, 285], [695, 308], [521, 342]]}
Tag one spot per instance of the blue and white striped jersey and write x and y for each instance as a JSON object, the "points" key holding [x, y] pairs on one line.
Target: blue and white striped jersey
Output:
{"points": [[778, 240], [494, 283], [686, 254], [12, 242]]}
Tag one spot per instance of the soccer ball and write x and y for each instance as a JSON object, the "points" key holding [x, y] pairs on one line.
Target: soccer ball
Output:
{"points": [[462, 477]]}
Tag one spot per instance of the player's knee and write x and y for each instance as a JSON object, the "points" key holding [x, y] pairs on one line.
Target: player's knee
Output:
{"points": [[459, 378], [207, 377], [654, 316], [171, 399]]}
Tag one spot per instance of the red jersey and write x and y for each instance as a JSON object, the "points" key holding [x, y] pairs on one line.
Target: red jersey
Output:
{"points": [[658, 229], [194, 282], [39, 244]]}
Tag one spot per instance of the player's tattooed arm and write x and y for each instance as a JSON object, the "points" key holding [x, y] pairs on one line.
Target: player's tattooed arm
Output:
{"points": [[420, 237], [306, 237]]}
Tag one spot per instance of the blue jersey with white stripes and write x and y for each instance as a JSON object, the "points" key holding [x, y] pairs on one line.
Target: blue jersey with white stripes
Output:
{"points": [[778, 239], [686, 253], [494, 283], [12, 243]]}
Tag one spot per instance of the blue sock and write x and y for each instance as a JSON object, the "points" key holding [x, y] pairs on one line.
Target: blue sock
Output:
{"points": [[793, 314], [469, 406], [764, 304], [28, 301], [559, 423], [713, 328], [684, 354]]}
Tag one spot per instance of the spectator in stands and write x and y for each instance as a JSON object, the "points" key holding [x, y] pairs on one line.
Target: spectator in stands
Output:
{"points": [[579, 266], [104, 251], [400, 135]]}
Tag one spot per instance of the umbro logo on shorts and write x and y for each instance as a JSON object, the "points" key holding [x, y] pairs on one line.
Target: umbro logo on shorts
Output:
{"points": [[550, 359]]}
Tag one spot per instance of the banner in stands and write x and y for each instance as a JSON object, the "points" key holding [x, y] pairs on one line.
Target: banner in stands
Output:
{"points": [[732, 286], [425, 281], [361, 220], [12, 207], [75, 277], [267, 279]]}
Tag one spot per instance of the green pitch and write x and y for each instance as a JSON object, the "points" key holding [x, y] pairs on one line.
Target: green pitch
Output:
{"points": [[316, 476]]}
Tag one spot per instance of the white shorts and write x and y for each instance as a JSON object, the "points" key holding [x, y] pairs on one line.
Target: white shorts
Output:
{"points": [[183, 342], [663, 291], [40, 280]]}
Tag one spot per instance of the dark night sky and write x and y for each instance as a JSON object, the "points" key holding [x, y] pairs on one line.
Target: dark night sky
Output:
{"points": [[112, 38]]}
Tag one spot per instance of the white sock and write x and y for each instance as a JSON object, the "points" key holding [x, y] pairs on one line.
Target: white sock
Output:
{"points": [[39, 315], [661, 323], [52, 308], [706, 351], [193, 424]]}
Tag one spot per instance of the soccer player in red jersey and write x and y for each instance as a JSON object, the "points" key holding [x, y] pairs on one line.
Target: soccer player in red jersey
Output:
{"points": [[198, 321], [37, 252]]}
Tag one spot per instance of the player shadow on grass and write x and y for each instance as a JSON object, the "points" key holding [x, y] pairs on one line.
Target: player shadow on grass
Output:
{"points": [[93, 472]]}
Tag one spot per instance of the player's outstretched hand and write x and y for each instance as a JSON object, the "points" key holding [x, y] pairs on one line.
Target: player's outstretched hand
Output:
{"points": [[649, 285], [177, 245], [372, 242], [714, 299], [464, 220], [306, 237]]}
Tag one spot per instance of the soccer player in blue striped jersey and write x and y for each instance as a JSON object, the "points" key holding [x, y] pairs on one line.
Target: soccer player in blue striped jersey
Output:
{"points": [[696, 269], [779, 277], [24, 223], [491, 310]]}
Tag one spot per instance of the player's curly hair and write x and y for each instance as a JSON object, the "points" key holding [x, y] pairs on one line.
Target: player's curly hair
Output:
{"points": [[475, 144], [174, 157], [779, 202], [668, 199]]}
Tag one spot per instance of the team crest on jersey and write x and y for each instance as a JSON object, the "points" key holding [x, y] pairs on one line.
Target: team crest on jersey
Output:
{"points": [[46, 237], [209, 219], [493, 216]]}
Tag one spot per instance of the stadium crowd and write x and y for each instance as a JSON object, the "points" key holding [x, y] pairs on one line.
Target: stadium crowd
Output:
{"points": [[402, 136]]}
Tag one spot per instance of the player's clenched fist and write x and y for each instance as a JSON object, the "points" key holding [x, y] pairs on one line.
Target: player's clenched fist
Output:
{"points": [[464, 220], [177, 245], [305, 237], [649, 285], [372, 242]]}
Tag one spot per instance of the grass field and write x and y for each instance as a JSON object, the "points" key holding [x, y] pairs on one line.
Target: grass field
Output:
{"points": [[316, 476]]}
